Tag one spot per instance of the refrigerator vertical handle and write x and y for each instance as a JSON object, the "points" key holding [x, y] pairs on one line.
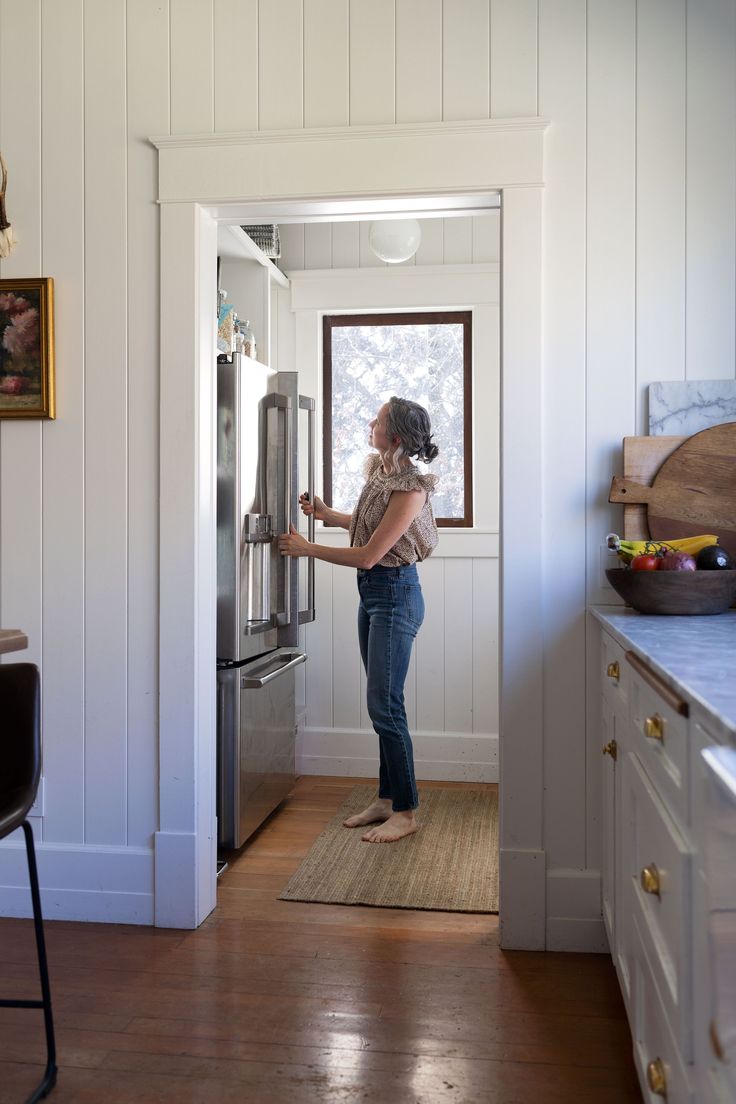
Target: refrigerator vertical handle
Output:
{"points": [[283, 404], [305, 403]]}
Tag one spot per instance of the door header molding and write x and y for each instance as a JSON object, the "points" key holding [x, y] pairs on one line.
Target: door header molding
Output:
{"points": [[420, 159]]}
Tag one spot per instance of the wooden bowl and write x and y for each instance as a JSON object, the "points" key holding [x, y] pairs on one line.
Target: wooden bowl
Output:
{"points": [[674, 592]]}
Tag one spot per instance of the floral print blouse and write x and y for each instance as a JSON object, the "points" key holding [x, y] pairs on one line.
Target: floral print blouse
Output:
{"points": [[420, 538]]}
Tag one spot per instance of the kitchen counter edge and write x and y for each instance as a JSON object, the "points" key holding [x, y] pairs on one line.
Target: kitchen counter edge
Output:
{"points": [[695, 656]]}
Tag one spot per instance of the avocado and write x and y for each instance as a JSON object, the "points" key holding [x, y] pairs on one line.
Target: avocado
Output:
{"points": [[714, 558]]}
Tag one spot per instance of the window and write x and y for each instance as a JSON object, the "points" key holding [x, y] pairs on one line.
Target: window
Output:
{"points": [[423, 357]]}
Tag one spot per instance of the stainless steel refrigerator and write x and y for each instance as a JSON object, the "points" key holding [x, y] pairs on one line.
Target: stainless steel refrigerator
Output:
{"points": [[260, 415]]}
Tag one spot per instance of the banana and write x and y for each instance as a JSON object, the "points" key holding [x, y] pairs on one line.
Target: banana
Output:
{"points": [[628, 549]]}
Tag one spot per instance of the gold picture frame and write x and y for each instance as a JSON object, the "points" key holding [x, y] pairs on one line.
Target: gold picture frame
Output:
{"points": [[27, 348]]}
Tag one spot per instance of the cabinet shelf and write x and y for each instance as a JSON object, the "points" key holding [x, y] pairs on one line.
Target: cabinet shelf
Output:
{"points": [[233, 242]]}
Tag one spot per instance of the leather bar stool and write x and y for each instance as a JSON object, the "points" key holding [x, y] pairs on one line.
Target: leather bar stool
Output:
{"points": [[20, 770]]}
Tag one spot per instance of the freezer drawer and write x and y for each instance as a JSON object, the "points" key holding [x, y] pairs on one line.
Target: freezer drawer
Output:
{"points": [[256, 742]]}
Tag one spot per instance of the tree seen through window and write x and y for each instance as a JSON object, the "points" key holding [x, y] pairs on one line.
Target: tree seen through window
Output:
{"points": [[422, 357]]}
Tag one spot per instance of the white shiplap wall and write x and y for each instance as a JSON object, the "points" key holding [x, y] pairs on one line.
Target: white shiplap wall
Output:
{"points": [[638, 285], [459, 240]]}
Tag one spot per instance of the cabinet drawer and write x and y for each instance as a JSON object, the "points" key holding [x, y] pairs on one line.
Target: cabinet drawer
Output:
{"points": [[659, 737], [658, 1061], [614, 674], [657, 879]]}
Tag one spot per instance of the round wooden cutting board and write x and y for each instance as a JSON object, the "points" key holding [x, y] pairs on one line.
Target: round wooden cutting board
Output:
{"points": [[693, 492]]}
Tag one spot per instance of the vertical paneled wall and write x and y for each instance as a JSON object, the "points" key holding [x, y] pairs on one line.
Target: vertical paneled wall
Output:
{"points": [[451, 689], [639, 285], [458, 240]]}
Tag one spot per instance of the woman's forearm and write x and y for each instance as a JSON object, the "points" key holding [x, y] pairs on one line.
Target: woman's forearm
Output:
{"points": [[343, 557], [334, 517]]}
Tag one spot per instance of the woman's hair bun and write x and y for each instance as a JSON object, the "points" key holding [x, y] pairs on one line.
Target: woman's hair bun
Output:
{"points": [[410, 423]]}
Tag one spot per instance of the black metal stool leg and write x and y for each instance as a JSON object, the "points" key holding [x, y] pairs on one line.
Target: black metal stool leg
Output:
{"points": [[49, 1079]]}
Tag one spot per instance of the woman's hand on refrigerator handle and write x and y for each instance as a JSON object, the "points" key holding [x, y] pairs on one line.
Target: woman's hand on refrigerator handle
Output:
{"points": [[317, 507], [293, 543]]}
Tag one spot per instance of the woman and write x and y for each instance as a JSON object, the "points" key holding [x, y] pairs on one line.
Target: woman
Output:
{"points": [[391, 528]]}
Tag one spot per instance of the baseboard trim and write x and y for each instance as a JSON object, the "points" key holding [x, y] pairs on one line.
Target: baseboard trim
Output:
{"points": [[522, 890], [109, 885], [575, 919], [438, 756], [567, 933]]}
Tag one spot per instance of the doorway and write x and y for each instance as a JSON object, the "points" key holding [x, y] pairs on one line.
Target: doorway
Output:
{"points": [[197, 186]]}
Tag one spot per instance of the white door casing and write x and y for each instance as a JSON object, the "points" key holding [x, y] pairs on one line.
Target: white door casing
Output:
{"points": [[203, 178]]}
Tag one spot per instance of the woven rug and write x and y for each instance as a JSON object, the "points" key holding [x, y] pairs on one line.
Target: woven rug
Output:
{"points": [[450, 863]]}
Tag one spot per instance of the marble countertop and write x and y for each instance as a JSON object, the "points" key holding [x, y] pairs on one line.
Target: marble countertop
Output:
{"points": [[696, 656]]}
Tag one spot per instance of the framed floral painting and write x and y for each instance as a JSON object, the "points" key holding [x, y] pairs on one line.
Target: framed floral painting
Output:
{"points": [[27, 348]]}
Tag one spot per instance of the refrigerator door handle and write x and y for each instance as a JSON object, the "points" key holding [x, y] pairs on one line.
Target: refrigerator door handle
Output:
{"points": [[265, 671], [305, 403], [283, 404]]}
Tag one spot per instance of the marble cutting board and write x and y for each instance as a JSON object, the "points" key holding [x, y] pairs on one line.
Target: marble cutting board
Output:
{"points": [[685, 407]]}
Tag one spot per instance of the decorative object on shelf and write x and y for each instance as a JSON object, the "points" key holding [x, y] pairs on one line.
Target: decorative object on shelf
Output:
{"points": [[267, 238], [27, 348], [225, 326], [7, 237], [395, 240], [248, 344]]}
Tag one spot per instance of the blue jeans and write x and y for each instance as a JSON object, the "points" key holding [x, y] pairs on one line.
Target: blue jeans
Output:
{"points": [[390, 614]]}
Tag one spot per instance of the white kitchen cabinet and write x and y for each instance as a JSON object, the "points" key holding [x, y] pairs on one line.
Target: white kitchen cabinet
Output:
{"points": [[659, 902]]}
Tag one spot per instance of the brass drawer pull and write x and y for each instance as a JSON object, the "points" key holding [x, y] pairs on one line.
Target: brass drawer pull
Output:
{"points": [[654, 727], [656, 1078], [668, 695], [613, 671], [715, 1041], [650, 880], [610, 749]]}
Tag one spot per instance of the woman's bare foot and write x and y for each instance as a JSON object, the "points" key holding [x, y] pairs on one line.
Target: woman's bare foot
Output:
{"points": [[380, 809], [396, 827]]}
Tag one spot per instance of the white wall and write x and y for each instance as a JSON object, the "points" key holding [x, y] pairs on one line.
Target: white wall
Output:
{"points": [[639, 285], [458, 240]]}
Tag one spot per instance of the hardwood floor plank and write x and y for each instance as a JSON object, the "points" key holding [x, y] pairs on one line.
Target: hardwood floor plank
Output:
{"points": [[272, 1000]]}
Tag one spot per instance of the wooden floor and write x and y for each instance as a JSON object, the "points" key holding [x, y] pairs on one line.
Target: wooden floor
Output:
{"points": [[273, 1001]]}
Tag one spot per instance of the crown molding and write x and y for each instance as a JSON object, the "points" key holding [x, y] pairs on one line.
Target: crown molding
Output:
{"points": [[349, 133]]}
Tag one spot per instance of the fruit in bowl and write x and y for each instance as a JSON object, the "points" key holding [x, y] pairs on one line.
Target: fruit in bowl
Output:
{"points": [[714, 558], [692, 575], [675, 592]]}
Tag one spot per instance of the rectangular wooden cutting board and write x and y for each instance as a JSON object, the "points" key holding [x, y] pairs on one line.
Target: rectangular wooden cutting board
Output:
{"points": [[643, 457]]}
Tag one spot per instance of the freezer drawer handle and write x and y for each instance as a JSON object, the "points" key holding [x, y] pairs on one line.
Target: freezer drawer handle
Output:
{"points": [[293, 659]]}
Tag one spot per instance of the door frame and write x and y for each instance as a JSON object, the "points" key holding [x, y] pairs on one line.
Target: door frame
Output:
{"points": [[206, 178]]}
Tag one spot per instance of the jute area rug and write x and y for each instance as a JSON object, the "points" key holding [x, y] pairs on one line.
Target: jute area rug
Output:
{"points": [[449, 864]]}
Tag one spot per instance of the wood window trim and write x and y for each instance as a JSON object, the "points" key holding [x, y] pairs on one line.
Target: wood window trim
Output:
{"points": [[395, 318]]}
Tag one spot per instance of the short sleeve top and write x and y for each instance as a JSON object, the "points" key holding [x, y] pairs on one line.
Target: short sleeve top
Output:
{"points": [[420, 538]]}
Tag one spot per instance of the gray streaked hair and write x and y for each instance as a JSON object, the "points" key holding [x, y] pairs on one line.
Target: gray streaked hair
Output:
{"points": [[410, 422]]}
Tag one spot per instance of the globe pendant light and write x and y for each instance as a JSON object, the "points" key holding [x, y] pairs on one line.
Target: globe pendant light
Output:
{"points": [[395, 240]]}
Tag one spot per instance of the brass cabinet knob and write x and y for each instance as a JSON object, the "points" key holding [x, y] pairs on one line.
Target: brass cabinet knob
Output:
{"points": [[715, 1041], [656, 1078], [654, 727], [613, 671], [610, 749], [650, 879]]}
